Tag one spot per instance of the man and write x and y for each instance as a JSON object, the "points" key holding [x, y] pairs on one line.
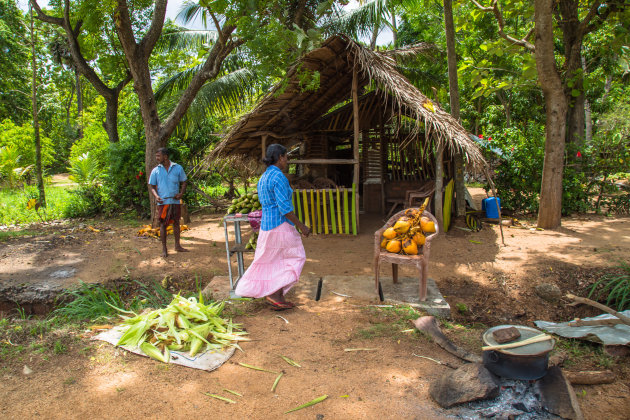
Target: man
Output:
{"points": [[167, 183]]}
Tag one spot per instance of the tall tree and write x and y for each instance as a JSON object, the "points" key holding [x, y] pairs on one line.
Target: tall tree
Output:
{"points": [[36, 138], [72, 32], [13, 63], [60, 51], [449, 28], [561, 84]]}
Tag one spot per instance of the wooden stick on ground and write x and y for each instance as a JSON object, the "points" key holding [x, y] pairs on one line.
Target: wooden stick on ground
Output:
{"points": [[590, 322], [578, 299], [590, 377]]}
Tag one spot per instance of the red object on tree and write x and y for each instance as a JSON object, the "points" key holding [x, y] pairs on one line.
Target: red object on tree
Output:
{"points": [[579, 154], [480, 136], [489, 138]]}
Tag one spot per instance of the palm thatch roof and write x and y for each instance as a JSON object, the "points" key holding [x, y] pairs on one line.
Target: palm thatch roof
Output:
{"points": [[287, 112]]}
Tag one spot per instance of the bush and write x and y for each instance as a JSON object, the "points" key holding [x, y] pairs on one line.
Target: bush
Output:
{"points": [[518, 156], [125, 181], [89, 198]]}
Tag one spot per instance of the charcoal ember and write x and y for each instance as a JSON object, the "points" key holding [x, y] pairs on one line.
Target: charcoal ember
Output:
{"points": [[505, 335]]}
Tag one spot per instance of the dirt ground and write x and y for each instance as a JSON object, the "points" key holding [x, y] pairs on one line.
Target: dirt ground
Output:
{"points": [[489, 282]]}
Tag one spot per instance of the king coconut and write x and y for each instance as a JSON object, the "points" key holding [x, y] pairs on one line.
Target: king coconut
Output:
{"points": [[407, 235]]}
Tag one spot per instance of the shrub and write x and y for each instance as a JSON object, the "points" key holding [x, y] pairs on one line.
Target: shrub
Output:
{"points": [[614, 287], [89, 198]]}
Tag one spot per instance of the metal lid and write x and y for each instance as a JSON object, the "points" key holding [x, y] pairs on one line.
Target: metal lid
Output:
{"points": [[526, 332]]}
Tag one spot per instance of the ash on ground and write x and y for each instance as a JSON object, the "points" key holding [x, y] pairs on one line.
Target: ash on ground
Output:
{"points": [[518, 400]]}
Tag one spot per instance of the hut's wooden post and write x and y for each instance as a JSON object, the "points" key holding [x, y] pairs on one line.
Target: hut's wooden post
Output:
{"points": [[264, 145], [357, 134], [439, 183], [383, 157]]}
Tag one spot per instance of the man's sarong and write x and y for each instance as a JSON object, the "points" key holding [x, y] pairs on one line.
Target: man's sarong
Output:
{"points": [[169, 213], [278, 263]]}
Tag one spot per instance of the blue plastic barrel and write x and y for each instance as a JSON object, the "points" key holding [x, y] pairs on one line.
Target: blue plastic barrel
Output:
{"points": [[489, 205]]}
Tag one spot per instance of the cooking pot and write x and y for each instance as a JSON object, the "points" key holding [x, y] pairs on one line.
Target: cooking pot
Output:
{"points": [[527, 362]]}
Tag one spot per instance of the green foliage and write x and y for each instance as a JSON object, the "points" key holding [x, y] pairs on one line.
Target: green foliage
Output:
{"points": [[10, 169], [89, 302], [89, 198], [614, 287], [13, 205], [20, 138], [14, 101], [94, 140], [518, 156], [85, 170], [125, 180]]}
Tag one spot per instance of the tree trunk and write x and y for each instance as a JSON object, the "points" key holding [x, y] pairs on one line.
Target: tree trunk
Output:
{"points": [[572, 35], [111, 118], [588, 116], [77, 78], [38, 145], [449, 27], [394, 28], [549, 213], [374, 36], [507, 107]]}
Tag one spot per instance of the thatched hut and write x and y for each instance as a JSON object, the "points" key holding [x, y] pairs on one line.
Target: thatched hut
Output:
{"points": [[365, 130]]}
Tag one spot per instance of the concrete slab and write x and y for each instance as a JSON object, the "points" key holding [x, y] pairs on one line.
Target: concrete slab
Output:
{"points": [[360, 287]]}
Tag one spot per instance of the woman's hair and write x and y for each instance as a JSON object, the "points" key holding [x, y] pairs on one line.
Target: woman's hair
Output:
{"points": [[274, 151]]}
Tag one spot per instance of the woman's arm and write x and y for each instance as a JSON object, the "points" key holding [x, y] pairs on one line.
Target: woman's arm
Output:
{"points": [[301, 227]]}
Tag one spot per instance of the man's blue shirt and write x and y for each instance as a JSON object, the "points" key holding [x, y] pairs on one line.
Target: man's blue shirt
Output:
{"points": [[275, 196], [168, 181]]}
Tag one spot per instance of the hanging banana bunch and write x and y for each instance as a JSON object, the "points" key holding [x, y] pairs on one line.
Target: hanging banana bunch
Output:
{"points": [[408, 234]]}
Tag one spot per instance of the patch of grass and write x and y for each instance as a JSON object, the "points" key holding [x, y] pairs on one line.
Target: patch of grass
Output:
{"points": [[89, 302], [13, 205], [59, 347], [388, 322], [69, 381], [583, 353], [614, 287], [5, 235]]}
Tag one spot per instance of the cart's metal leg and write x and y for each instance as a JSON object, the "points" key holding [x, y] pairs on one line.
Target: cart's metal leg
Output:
{"points": [[227, 250], [239, 255]]}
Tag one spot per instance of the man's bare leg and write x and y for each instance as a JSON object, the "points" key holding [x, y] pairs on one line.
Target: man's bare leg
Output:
{"points": [[163, 239], [176, 233]]}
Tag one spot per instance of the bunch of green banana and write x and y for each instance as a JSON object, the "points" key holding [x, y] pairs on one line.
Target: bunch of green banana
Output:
{"points": [[252, 241], [184, 325], [245, 204]]}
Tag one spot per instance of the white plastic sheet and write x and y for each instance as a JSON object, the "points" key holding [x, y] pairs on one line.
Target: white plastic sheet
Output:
{"points": [[208, 360]]}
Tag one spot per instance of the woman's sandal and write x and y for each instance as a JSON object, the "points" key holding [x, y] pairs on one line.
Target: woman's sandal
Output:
{"points": [[279, 306]]}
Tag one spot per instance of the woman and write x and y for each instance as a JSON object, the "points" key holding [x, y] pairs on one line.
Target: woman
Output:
{"points": [[279, 256]]}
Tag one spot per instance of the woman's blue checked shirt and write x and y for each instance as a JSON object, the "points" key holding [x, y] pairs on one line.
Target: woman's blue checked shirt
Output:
{"points": [[275, 196]]}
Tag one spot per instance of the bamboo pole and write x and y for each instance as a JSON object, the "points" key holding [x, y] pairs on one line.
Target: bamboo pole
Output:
{"points": [[314, 225], [332, 212], [307, 219], [339, 211], [319, 213], [296, 199], [346, 221], [354, 212], [325, 208]]}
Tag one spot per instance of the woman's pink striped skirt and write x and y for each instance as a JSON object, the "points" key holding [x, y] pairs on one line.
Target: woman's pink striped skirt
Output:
{"points": [[278, 263]]}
